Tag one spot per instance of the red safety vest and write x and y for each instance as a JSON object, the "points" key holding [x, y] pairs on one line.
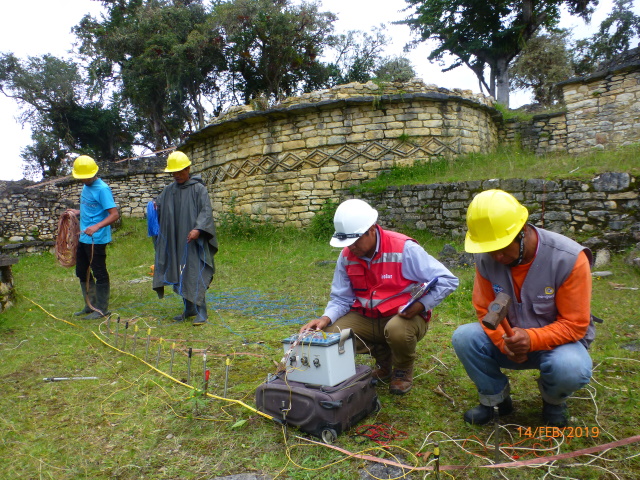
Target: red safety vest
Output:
{"points": [[380, 288]]}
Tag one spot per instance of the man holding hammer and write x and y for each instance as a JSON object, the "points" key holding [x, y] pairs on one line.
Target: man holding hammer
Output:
{"points": [[532, 294]]}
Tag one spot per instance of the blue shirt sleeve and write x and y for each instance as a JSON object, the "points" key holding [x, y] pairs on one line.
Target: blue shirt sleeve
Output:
{"points": [[417, 265]]}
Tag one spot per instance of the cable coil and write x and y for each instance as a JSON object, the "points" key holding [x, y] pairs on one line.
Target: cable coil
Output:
{"points": [[67, 237]]}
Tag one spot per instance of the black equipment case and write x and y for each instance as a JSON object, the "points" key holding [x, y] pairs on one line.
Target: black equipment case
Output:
{"points": [[322, 411]]}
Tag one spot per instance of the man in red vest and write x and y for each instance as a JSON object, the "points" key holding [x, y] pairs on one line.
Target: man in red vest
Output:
{"points": [[374, 278]]}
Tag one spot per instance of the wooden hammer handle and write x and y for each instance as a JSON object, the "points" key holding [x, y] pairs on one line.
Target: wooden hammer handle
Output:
{"points": [[507, 328]]}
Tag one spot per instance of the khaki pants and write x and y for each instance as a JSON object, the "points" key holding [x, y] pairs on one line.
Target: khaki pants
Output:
{"points": [[390, 340]]}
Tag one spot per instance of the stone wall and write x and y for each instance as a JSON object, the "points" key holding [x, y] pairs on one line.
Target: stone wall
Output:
{"points": [[544, 134], [607, 208], [283, 163], [601, 111], [29, 213]]}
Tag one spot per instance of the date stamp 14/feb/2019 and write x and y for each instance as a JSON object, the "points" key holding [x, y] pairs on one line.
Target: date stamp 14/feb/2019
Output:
{"points": [[556, 432]]}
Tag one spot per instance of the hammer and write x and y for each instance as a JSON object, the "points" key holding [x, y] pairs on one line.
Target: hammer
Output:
{"points": [[497, 312]]}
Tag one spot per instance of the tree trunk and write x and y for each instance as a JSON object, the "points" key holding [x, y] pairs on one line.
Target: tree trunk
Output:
{"points": [[502, 81]]}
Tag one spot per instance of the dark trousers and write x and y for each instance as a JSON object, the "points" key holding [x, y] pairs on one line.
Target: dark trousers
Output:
{"points": [[92, 257]]}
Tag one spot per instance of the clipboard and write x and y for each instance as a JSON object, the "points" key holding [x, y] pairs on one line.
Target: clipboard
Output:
{"points": [[420, 292]]}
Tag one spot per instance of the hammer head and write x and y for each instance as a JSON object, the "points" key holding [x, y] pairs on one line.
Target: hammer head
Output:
{"points": [[497, 311]]}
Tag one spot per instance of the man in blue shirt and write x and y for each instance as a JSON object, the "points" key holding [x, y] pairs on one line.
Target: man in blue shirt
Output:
{"points": [[98, 211]]}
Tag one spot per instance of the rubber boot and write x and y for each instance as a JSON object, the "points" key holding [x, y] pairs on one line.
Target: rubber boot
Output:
{"points": [[483, 414], [555, 415], [101, 305], [89, 297], [190, 310], [201, 314]]}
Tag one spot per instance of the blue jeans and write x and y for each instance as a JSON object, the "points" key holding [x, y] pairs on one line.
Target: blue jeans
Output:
{"points": [[563, 370]]}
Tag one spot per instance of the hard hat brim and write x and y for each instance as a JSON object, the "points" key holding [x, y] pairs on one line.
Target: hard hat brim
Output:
{"points": [[336, 242], [172, 170], [471, 246], [84, 176]]}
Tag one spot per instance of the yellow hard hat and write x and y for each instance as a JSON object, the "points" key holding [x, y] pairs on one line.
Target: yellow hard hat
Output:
{"points": [[177, 161], [494, 218], [84, 167]]}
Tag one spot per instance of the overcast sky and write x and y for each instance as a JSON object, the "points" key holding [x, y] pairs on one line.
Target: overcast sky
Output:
{"points": [[37, 27]]}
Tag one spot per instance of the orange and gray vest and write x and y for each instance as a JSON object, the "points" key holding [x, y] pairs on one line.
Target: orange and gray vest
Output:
{"points": [[552, 265], [380, 288]]}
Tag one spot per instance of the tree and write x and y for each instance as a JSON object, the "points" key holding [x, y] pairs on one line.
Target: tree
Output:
{"points": [[161, 56], [543, 63], [613, 39], [52, 94], [273, 45], [357, 55], [489, 35], [397, 69]]}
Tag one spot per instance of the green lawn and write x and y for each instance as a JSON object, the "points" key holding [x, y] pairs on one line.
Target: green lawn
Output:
{"points": [[138, 421]]}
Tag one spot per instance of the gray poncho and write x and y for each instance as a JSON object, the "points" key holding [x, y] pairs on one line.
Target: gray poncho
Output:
{"points": [[187, 267]]}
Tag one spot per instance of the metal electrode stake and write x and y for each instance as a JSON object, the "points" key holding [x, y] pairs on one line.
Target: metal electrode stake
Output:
{"points": [[226, 376], [159, 350], [436, 456], [205, 372], [189, 366], [60, 379], [204, 363], [206, 383], [146, 351], [126, 329], [173, 351], [117, 330], [496, 433], [135, 338]]}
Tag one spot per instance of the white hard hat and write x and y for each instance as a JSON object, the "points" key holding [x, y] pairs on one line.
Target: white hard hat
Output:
{"points": [[352, 219]]}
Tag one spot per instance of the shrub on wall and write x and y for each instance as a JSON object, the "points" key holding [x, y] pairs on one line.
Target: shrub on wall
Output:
{"points": [[321, 226]]}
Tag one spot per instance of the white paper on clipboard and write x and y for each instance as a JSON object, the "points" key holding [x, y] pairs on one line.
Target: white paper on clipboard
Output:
{"points": [[422, 290]]}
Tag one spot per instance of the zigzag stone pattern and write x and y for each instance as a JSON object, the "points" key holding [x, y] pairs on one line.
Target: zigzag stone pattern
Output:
{"points": [[319, 157]]}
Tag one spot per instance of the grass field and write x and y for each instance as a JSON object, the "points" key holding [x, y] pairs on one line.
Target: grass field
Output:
{"points": [[140, 418], [148, 415]]}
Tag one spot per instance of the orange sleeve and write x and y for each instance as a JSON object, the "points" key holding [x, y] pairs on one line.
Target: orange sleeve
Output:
{"points": [[573, 301], [483, 295]]}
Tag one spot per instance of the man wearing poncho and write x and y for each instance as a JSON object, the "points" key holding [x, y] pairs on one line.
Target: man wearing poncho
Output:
{"points": [[186, 242]]}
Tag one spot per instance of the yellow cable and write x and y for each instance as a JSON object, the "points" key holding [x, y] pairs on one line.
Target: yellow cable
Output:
{"points": [[182, 383], [242, 404]]}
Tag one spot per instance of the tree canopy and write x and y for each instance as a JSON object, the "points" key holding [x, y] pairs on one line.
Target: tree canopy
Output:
{"points": [[52, 93], [487, 35]]}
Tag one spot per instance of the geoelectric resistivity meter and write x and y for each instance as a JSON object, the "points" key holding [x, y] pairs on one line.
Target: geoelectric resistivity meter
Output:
{"points": [[420, 292], [320, 358]]}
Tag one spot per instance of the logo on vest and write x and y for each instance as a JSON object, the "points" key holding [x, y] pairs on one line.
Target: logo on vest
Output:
{"points": [[549, 294], [386, 276]]}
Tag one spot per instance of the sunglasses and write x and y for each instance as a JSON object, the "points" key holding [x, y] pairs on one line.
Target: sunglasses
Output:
{"points": [[344, 236]]}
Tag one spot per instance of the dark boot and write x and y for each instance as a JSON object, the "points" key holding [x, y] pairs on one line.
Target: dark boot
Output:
{"points": [[201, 314], [555, 415], [101, 305], [89, 297], [483, 414], [402, 381], [382, 371], [190, 310]]}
